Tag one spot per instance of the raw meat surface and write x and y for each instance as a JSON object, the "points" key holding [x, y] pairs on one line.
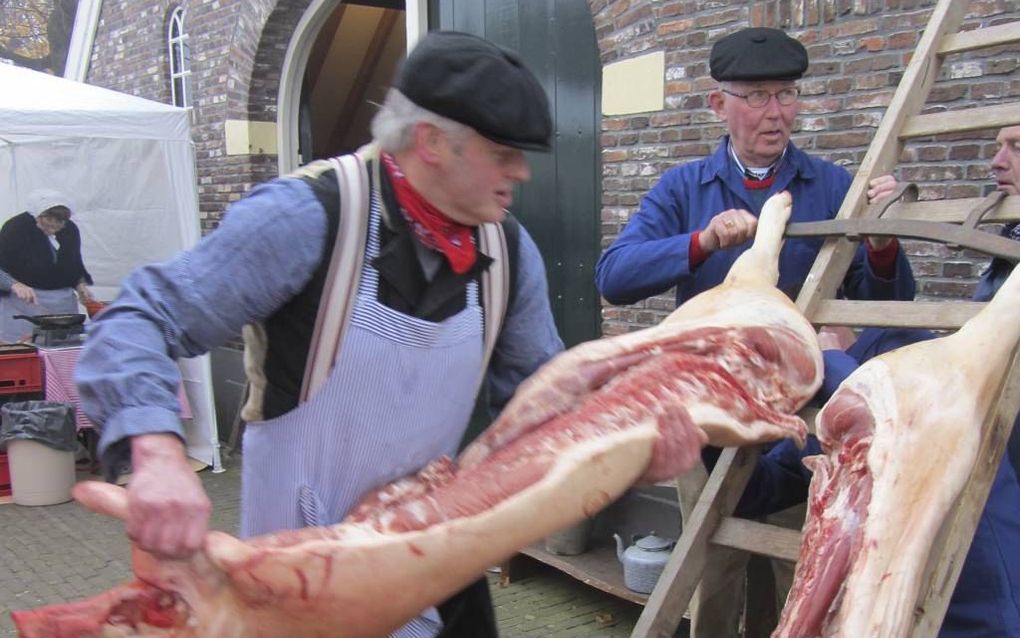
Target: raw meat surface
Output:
{"points": [[901, 436], [731, 366]]}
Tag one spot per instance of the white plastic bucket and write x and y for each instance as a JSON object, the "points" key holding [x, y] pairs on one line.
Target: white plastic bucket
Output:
{"points": [[40, 475]]}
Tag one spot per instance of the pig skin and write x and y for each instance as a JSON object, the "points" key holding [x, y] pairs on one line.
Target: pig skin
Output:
{"points": [[730, 366], [901, 436]]}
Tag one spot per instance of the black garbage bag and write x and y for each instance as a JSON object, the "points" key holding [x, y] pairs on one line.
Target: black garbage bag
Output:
{"points": [[47, 422]]}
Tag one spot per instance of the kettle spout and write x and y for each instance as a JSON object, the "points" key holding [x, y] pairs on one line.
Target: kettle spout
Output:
{"points": [[619, 547]]}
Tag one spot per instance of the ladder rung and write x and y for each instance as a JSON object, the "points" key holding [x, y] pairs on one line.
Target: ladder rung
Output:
{"points": [[980, 38], [985, 117], [810, 415], [895, 314], [953, 211], [767, 540]]}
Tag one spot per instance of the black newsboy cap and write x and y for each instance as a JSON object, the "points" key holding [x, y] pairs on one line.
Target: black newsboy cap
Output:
{"points": [[481, 85], [757, 53]]}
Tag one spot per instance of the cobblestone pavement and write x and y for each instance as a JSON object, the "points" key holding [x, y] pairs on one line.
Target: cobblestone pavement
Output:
{"points": [[555, 605], [61, 553]]}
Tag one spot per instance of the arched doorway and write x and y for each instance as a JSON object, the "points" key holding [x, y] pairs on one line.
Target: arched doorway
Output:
{"points": [[348, 71], [338, 63], [560, 206]]}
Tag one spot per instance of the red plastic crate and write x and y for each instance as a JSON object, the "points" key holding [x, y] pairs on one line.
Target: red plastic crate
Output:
{"points": [[5, 475], [20, 372]]}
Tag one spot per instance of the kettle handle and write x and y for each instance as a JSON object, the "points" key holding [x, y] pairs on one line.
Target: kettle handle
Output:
{"points": [[636, 537]]}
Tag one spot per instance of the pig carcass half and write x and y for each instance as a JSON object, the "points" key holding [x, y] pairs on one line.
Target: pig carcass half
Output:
{"points": [[901, 436], [735, 362]]}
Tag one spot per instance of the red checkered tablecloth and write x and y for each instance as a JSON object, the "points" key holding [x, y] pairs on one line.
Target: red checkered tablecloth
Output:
{"points": [[58, 383]]}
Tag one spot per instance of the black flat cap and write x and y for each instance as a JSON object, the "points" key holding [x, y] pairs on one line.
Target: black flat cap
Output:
{"points": [[479, 84], [757, 53]]}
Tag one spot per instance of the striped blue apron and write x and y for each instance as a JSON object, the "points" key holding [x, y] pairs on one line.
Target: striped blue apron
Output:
{"points": [[400, 395]]}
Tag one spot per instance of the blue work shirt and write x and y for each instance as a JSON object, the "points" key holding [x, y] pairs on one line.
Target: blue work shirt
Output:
{"points": [[652, 253], [986, 601]]}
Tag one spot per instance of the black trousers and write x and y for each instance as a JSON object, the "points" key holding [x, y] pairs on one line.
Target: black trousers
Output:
{"points": [[469, 613]]}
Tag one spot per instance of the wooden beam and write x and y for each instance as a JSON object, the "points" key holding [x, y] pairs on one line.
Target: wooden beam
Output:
{"points": [[810, 415], [948, 315], [323, 43], [672, 594], [835, 256], [981, 118], [360, 85], [758, 538], [954, 211], [980, 38], [950, 234]]}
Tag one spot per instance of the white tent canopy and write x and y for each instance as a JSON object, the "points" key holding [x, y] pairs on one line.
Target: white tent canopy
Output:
{"points": [[127, 165]]}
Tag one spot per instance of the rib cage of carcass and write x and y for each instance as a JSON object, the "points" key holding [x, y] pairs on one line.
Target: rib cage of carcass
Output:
{"points": [[901, 436], [733, 363]]}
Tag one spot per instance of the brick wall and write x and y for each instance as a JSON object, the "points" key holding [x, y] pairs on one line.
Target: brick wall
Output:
{"points": [[129, 54], [858, 50], [229, 40]]}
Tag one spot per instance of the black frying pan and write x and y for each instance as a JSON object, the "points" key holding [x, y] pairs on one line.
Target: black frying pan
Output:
{"points": [[50, 322]]}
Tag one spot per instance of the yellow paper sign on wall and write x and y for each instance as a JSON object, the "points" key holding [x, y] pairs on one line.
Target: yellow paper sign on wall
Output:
{"points": [[636, 85]]}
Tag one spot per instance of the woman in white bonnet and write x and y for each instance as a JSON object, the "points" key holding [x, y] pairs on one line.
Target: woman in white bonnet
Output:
{"points": [[41, 269]]}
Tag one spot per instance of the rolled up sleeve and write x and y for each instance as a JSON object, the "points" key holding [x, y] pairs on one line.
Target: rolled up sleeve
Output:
{"points": [[263, 253]]}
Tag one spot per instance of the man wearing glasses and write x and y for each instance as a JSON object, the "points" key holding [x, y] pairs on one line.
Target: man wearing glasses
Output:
{"points": [[696, 221], [701, 216]]}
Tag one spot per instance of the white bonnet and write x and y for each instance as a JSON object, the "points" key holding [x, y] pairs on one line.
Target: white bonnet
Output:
{"points": [[42, 199]]}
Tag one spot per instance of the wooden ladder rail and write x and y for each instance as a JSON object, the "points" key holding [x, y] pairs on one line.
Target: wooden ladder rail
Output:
{"points": [[712, 524], [903, 120], [711, 521]]}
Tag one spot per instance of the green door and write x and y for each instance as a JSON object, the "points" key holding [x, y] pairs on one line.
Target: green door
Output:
{"points": [[560, 206]]}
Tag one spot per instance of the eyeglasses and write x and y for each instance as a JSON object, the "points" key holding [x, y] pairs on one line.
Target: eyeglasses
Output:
{"points": [[758, 98]]}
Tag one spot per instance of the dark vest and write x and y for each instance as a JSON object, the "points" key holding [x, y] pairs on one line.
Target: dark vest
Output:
{"points": [[289, 330]]}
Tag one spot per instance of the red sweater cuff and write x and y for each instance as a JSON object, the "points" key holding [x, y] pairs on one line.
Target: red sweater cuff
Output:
{"points": [[695, 255], [883, 262]]}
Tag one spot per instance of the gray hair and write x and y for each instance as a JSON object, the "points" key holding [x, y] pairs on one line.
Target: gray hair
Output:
{"points": [[393, 126]]}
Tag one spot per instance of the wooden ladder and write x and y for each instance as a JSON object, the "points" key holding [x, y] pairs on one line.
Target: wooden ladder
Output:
{"points": [[954, 222]]}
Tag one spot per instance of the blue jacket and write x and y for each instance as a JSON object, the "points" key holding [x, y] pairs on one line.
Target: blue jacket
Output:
{"points": [[986, 602], [650, 256]]}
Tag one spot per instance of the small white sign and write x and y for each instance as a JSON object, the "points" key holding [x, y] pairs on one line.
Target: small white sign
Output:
{"points": [[636, 85]]}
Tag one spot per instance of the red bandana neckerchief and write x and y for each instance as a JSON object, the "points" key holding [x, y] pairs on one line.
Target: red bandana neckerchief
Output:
{"points": [[433, 229]]}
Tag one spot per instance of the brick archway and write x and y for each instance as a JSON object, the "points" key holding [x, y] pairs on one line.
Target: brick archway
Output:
{"points": [[265, 73]]}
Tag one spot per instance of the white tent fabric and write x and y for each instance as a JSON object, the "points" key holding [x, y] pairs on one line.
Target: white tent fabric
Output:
{"points": [[128, 165]]}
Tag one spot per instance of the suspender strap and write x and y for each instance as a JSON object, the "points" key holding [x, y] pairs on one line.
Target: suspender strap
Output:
{"points": [[495, 287], [340, 290]]}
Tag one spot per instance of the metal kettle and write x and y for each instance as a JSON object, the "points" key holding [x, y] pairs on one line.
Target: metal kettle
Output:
{"points": [[644, 560]]}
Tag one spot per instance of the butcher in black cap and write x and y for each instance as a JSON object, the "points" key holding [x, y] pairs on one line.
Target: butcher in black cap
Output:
{"points": [[702, 215], [378, 291]]}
